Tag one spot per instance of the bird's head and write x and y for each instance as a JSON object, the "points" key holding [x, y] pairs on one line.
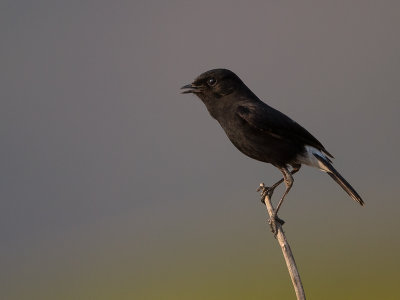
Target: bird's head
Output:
{"points": [[213, 85]]}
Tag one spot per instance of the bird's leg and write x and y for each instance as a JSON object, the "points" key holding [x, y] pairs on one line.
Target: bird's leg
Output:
{"points": [[288, 178], [288, 182], [268, 191], [296, 168]]}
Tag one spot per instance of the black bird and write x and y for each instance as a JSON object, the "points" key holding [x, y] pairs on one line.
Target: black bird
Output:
{"points": [[262, 132]]}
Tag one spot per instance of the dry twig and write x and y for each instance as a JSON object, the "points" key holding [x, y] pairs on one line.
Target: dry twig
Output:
{"points": [[280, 236]]}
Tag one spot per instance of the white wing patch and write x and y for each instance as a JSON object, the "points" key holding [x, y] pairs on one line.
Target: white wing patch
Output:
{"points": [[309, 159]]}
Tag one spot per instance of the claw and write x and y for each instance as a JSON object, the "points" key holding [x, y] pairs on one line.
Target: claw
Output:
{"points": [[279, 220], [265, 191], [272, 223], [274, 228]]}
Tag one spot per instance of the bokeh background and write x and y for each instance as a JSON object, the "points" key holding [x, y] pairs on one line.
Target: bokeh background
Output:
{"points": [[115, 186]]}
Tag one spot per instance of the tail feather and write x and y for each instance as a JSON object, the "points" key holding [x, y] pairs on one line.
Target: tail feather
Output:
{"points": [[339, 179]]}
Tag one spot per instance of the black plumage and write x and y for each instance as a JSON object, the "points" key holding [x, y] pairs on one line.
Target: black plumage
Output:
{"points": [[260, 131]]}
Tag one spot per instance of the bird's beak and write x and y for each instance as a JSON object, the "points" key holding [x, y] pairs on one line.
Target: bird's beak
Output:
{"points": [[190, 88]]}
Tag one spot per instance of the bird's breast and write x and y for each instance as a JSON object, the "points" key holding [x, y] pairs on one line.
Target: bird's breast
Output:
{"points": [[257, 144]]}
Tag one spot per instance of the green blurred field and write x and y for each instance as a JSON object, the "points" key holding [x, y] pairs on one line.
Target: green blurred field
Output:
{"points": [[220, 260]]}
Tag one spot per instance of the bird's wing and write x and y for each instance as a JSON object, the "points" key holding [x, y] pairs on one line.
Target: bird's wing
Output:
{"points": [[264, 118]]}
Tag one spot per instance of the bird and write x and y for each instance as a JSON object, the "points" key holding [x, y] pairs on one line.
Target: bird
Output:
{"points": [[261, 132]]}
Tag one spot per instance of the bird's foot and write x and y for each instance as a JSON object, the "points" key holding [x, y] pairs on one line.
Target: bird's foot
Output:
{"points": [[273, 223], [265, 191]]}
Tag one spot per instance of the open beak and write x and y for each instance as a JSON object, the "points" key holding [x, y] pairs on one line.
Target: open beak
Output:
{"points": [[190, 88]]}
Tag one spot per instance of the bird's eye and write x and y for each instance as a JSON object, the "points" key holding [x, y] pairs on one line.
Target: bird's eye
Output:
{"points": [[211, 81]]}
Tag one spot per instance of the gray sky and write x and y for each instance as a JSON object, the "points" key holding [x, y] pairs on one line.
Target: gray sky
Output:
{"points": [[102, 157]]}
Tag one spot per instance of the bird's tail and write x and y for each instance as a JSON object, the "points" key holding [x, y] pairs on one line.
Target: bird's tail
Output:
{"points": [[339, 178]]}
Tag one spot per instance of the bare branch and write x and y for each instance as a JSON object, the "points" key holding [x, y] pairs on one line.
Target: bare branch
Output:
{"points": [[280, 235]]}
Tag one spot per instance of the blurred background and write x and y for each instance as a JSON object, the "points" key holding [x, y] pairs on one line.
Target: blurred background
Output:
{"points": [[115, 186]]}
